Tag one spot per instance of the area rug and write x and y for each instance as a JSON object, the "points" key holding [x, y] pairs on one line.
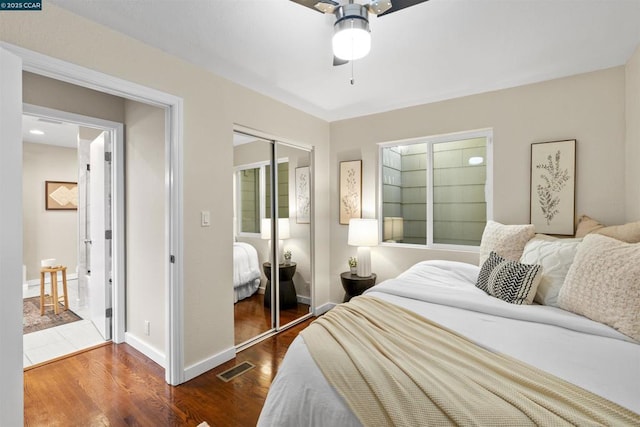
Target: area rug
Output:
{"points": [[32, 321]]}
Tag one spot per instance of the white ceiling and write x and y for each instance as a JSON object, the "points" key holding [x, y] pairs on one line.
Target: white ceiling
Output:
{"points": [[436, 50], [55, 133]]}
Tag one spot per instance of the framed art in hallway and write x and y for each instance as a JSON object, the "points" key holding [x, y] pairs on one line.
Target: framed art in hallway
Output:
{"points": [[350, 190], [552, 197], [61, 195]]}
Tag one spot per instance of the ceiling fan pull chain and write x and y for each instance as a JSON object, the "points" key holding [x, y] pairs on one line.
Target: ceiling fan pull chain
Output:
{"points": [[352, 79]]}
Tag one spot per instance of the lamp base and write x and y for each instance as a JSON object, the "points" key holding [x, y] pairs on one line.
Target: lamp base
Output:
{"points": [[364, 261]]}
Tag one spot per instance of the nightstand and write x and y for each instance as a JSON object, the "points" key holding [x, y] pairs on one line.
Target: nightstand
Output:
{"points": [[288, 296], [355, 285]]}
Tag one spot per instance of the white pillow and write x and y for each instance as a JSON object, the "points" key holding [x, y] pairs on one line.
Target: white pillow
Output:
{"points": [[506, 240], [555, 256], [603, 283]]}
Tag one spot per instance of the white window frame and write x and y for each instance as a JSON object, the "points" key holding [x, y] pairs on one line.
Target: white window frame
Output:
{"points": [[430, 141]]}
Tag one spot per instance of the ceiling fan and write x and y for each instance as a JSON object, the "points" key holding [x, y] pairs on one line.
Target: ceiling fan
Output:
{"points": [[352, 36]]}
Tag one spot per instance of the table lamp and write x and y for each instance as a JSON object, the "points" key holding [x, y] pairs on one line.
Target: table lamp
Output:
{"points": [[363, 233], [283, 233]]}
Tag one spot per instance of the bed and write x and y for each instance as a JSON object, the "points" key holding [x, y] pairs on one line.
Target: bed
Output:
{"points": [[591, 355], [246, 271]]}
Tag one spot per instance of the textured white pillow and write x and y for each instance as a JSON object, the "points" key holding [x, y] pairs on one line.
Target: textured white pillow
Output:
{"points": [[555, 256], [603, 283], [506, 240]]}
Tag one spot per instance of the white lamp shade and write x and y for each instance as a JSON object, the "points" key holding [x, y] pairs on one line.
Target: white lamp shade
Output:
{"points": [[283, 228], [352, 39], [363, 232]]}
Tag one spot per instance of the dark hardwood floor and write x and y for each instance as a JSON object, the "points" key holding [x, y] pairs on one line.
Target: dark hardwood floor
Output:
{"points": [[252, 318], [115, 385]]}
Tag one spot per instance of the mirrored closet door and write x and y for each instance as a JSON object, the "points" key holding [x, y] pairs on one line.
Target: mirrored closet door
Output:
{"points": [[272, 197], [295, 266]]}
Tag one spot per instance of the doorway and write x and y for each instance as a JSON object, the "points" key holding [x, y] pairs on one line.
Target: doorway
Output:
{"points": [[13, 61], [68, 157], [272, 197]]}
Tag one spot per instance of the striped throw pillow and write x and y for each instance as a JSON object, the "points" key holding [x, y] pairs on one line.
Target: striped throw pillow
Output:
{"points": [[511, 281]]}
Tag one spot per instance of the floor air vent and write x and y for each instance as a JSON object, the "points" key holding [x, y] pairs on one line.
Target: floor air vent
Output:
{"points": [[237, 370]]}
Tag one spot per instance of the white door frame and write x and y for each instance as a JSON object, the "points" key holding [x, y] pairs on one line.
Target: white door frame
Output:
{"points": [[116, 132], [174, 309], [11, 377]]}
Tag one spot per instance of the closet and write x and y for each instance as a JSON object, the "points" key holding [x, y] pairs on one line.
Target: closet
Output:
{"points": [[272, 227]]}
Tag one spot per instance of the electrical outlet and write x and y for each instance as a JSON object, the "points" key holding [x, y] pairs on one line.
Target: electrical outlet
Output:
{"points": [[147, 327]]}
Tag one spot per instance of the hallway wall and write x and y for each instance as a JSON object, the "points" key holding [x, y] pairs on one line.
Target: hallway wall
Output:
{"points": [[47, 234]]}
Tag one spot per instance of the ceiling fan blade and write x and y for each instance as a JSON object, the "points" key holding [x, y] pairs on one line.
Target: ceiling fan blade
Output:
{"points": [[337, 61], [311, 4], [399, 5]]}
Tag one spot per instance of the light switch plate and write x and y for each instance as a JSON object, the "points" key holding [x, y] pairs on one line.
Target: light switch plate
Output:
{"points": [[205, 218]]}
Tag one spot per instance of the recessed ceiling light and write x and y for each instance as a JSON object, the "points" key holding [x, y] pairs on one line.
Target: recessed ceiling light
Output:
{"points": [[36, 132]]}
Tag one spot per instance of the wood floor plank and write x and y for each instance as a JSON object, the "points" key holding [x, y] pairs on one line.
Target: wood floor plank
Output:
{"points": [[116, 385], [252, 318]]}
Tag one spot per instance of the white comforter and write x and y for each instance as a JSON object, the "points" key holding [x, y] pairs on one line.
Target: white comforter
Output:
{"points": [[246, 270], [572, 347]]}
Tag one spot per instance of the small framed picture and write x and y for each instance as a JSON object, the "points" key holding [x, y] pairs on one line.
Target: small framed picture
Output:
{"points": [[303, 201], [61, 195], [350, 190], [553, 183]]}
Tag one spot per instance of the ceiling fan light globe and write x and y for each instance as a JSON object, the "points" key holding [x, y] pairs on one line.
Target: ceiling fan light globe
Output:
{"points": [[351, 39]]}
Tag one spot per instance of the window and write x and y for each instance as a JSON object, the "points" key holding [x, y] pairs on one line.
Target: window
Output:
{"points": [[249, 180], [434, 190], [254, 191]]}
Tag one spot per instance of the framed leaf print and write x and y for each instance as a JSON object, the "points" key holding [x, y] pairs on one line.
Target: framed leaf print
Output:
{"points": [[350, 190], [303, 201], [553, 172]]}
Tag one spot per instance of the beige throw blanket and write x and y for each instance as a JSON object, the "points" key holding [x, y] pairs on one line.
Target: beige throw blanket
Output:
{"points": [[395, 368]]}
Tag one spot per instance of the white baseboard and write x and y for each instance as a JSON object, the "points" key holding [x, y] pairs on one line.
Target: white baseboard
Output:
{"points": [[205, 365], [145, 349], [324, 308], [304, 300]]}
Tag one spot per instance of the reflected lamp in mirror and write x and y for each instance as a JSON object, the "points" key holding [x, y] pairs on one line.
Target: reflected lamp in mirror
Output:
{"points": [[283, 233], [393, 229], [363, 233]]}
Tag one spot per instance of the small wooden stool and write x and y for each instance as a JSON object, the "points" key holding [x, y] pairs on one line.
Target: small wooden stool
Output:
{"points": [[53, 271]]}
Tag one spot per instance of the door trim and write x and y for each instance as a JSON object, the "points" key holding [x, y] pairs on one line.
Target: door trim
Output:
{"points": [[11, 374], [47, 66]]}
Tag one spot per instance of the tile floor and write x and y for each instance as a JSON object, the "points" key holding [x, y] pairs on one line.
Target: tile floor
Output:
{"points": [[50, 343]]}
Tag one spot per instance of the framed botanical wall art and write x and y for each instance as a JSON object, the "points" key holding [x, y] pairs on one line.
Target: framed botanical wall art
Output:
{"points": [[61, 195], [350, 190], [303, 201], [553, 172]]}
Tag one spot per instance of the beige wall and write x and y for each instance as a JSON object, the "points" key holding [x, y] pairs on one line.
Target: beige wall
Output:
{"points": [[145, 222], [47, 234], [587, 107], [633, 137], [212, 105], [46, 92]]}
